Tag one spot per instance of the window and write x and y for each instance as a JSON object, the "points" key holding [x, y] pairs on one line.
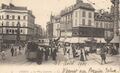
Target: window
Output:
{"points": [[21, 31], [18, 17], [89, 23], [13, 24], [2, 17], [24, 17], [97, 24], [90, 15], [76, 14], [12, 31], [101, 25], [75, 22], [84, 14], [24, 25], [2, 23], [13, 17], [16, 30], [7, 23], [7, 17], [83, 21], [7, 31]]}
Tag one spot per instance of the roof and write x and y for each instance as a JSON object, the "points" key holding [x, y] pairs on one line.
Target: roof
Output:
{"points": [[81, 5], [84, 6], [13, 7], [103, 17]]}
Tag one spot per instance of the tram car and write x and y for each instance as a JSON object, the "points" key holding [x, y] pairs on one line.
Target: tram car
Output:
{"points": [[31, 52]]}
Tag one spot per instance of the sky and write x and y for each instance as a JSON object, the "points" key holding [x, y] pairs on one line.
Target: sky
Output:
{"points": [[42, 9]]}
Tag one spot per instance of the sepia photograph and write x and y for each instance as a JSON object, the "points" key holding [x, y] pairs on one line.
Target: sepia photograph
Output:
{"points": [[59, 36]]}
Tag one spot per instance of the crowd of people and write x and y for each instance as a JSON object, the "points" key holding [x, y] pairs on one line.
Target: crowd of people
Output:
{"points": [[16, 51], [46, 53], [69, 52], [79, 52]]}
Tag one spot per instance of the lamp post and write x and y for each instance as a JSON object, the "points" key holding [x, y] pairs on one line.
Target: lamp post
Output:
{"points": [[18, 33], [2, 38], [116, 20]]}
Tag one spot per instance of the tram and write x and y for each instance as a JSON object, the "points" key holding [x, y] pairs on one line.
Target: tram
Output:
{"points": [[32, 48], [31, 52]]}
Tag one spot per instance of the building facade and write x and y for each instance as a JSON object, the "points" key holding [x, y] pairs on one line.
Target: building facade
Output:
{"points": [[10, 16], [37, 31], [80, 23], [53, 27]]}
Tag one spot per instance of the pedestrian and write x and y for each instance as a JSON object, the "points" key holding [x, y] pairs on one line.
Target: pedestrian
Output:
{"points": [[54, 53], [65, 49], [86, 54], [15, 53], [20, 50], [39, 55], [46, 53], [103, 55], [73, 51], [3, 55], [12, 51], [68, 54], [81, 55]]}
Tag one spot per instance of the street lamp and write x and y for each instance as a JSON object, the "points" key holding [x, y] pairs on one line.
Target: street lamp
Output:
{"points": [[18, 33]]}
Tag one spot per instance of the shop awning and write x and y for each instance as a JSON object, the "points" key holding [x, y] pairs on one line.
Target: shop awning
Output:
{"points": [[100, 40], [115, 40], [78, 40], [68, 40], [62, 39]]}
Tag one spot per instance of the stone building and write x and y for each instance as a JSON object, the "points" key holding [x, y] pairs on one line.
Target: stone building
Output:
{"points": [[10, 16]]}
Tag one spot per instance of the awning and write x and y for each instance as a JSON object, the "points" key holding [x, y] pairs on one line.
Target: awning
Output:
{"points": [[62, 39], [115, 39], [78, 40], [68, 40], [100, 40]]}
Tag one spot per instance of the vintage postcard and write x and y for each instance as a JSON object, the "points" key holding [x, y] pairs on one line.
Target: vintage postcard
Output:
{"points": [[59, 36]]}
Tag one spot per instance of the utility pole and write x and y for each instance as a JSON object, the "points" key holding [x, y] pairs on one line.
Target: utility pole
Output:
{"points": [[116, 20]]}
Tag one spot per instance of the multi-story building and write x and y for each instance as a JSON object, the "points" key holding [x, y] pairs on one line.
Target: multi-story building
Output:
{"points": [[53, 27], [80, 23], [76, 18], [56, 27], [49, 28], [10, 16], [66, 21], [103, 24], [37, 31]]}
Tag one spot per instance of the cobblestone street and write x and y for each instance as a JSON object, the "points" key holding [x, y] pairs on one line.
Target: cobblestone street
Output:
{"points": [[93, 59]]}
